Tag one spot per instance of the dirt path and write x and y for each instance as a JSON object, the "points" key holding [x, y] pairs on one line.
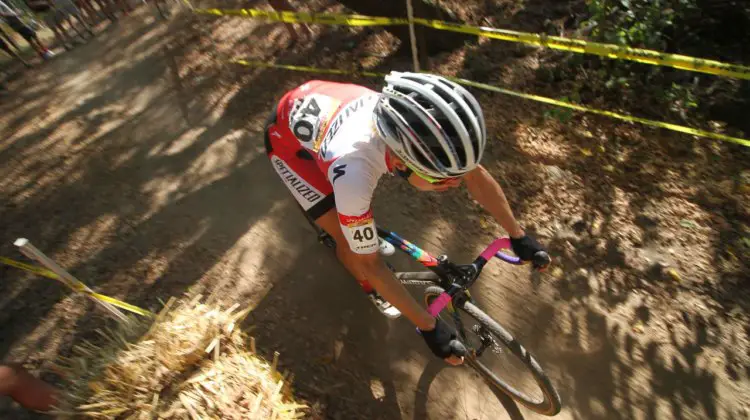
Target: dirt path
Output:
{"points": [[140, 167]]}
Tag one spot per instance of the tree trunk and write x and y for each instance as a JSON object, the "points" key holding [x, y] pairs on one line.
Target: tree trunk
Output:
{"points": [[437, 41]]}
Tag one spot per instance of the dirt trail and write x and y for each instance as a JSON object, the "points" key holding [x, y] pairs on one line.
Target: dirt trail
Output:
{"points": [[145, 175]]}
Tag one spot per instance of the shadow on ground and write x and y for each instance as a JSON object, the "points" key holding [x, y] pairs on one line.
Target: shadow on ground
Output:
{"points": [[136, 161]]}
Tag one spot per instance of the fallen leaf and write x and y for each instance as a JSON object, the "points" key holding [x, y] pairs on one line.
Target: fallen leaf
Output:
{"points": [[675, 275], [586, 152], [596, 226], [688, 224]]}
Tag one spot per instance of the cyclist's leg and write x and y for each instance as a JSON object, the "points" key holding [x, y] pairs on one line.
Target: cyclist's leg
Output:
{"points": [[5, 47], [53, 22], [75, 12], [72, 14], [330, 223]]}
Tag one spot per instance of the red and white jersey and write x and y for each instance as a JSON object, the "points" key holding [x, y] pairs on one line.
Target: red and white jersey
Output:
{"points": [[334, 122]]}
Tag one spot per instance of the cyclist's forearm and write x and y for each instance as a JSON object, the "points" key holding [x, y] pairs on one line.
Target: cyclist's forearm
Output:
{"points": [[488, 193], [394, 292]]}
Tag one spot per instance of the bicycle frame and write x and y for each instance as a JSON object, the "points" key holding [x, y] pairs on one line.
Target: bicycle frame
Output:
{"points": [[419, 255], [430, 262]]}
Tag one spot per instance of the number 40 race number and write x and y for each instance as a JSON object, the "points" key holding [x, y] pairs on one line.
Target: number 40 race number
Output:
{"points": [[364, 234]]}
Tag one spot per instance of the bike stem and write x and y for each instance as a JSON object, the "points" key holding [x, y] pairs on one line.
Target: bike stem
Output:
{"points": [[469, 276]]}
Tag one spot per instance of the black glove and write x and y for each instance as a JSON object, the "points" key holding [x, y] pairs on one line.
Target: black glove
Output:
{"points": [[525, 247], [442, 341]]}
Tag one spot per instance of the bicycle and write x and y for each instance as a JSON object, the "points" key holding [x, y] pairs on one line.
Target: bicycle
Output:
{"points": [[446, 294]]}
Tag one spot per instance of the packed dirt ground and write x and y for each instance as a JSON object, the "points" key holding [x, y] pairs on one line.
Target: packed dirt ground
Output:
{"points": [[136, 161]]}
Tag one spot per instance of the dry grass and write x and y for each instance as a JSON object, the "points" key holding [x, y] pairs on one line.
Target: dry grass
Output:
{"points": [[191, 361]]}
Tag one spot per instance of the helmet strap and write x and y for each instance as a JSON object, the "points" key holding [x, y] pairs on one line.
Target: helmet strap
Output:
{"points": [[396, 165], [406, 173]]}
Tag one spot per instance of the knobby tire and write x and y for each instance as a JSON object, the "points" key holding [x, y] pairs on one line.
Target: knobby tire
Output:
{"points": [[550, 404]]}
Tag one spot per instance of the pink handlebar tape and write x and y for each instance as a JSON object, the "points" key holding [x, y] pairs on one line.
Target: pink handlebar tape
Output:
{"points": [[439, 304], [495, 246]]}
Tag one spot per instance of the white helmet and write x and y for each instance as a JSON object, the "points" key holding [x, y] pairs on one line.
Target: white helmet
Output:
{"points": [[433, 124]]}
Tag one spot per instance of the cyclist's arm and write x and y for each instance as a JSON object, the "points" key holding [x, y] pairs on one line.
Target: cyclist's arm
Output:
{"points": [[380, 277], [354, 181], [377, 273], [491, 197]]}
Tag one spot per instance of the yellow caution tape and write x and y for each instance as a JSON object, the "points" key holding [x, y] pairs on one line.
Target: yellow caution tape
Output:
{"points": [[617, 52], [615, 115], [302, 17], [78, 287], [537, 98], [306, 68]]}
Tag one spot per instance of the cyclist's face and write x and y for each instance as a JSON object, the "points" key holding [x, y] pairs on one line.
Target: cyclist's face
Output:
{"points": [[423, 182]]}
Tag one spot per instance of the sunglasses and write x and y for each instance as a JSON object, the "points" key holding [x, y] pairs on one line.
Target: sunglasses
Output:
{"points": [[431, 180]]}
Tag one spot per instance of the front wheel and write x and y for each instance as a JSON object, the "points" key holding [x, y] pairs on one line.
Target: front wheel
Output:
{"points": [[493, 351]]}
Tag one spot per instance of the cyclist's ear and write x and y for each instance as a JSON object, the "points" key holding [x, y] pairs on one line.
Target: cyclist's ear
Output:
{"points": [[397, 163]]}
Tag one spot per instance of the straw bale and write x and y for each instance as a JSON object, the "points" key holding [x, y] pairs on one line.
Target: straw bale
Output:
{"points": [[191, 361]]}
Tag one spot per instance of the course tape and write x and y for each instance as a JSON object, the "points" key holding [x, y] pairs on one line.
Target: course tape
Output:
{"points": [[302, 17], [79, 287], [617, 52], [537, 98]]}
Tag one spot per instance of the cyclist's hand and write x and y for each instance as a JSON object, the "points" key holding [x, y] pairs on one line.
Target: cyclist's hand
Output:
{"points": [[528, 249], [442, 341]]}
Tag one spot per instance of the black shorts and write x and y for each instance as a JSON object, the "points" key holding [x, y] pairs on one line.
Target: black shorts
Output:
{"points": [[23, 29]]}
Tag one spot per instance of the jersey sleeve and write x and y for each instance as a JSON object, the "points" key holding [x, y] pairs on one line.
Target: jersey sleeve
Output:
{"points": [[353, 186]]}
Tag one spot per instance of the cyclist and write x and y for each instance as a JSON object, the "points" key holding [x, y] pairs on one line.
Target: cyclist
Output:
{"points": [[331, 142]]}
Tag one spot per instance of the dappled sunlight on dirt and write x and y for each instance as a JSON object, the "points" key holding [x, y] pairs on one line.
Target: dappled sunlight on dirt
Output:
{"points": [[83, 185], [540, 144], [137, 162]]}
